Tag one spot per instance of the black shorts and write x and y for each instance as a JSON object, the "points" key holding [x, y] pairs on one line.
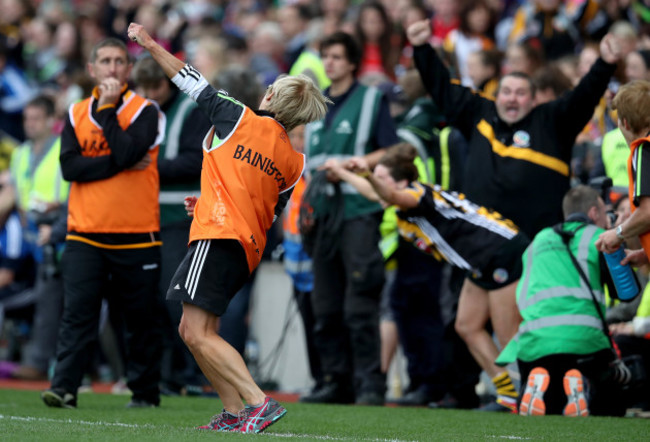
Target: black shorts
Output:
{"points": [[504, 267], [211, 273]]}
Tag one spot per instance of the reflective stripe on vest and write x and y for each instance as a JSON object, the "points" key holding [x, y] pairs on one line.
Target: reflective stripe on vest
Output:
{"points": [[582, 257], [558, 292], [292, 266], [365, 122], [445, 162], [293, 237], [560, 320]]}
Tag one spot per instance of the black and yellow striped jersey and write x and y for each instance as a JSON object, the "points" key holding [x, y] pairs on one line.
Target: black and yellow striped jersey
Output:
{"points": [[450, 227], [520, 169]]}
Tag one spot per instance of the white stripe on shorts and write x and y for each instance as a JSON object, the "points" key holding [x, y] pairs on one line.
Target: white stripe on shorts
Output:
{"points": [[198, 260]]}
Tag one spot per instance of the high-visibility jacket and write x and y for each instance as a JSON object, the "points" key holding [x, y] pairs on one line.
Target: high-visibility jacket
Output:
{"points": [[45, 183], [615, 153], [348, 134], [559, 315], [310, 61]]}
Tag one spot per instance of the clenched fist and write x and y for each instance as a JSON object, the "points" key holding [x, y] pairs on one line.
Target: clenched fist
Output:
{"points": [[137, 33]]}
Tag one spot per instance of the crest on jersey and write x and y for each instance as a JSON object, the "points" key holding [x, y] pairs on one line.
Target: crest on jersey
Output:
{"points": [[521, 138], [500, 275]]}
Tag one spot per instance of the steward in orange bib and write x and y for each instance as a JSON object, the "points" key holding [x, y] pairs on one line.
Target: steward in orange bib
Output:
{"points": [[632, 103], [249, 170], [108, 152]]}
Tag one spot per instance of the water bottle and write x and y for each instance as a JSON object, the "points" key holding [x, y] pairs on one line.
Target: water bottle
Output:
{"points": [[623, 276]]}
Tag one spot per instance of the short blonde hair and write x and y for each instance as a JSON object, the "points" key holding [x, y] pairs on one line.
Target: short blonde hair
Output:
{"points": [[623, 29], [296, 100], [632, 102]]}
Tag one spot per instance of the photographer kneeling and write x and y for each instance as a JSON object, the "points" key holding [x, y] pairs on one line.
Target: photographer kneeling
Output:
{"points": [[563, 347]]}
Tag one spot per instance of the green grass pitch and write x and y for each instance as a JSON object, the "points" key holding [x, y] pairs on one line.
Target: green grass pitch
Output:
{"points": [[102, 417]]}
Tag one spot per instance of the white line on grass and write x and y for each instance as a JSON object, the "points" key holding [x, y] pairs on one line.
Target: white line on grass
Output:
{"points": [[510, 437], [318, 437], [70, 421], [123, 425]]}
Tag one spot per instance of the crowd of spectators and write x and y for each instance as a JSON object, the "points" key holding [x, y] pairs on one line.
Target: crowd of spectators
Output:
{"points": [[243, 46]]}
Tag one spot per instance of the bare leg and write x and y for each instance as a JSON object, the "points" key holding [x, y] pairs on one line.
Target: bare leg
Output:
{"points": [[218, 360], [504, 313], [473, 313], [388, 334]]}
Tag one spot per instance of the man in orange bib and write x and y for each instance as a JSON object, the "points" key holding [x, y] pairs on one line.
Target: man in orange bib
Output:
{"points": [[109, 147], [249, 170]]}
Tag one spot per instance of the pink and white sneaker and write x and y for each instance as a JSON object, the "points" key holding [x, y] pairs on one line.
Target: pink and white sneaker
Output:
{"points": [[223, 421], [256, 420]]}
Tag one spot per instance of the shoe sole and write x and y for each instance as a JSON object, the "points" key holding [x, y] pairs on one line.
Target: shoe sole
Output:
{"points": [[574, 388], [532, 402], [52, 399]]}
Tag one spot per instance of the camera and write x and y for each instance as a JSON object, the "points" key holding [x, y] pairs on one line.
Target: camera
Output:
{"points": [[629, 371], [604, 184], [39, 216]]}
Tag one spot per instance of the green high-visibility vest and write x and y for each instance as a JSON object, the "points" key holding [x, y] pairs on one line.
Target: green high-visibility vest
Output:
{"points": [[45, 182], [310, 61], [615, 153], [559, 315], [348, 135]]}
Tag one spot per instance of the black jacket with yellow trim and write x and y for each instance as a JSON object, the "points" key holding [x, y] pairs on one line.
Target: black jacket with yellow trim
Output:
{"points": [[520, 170]]}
